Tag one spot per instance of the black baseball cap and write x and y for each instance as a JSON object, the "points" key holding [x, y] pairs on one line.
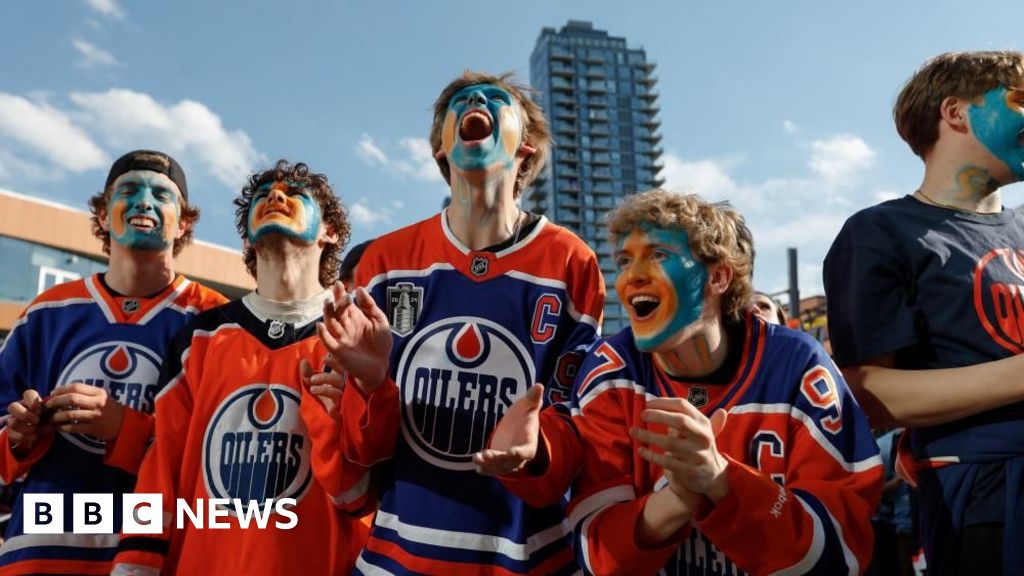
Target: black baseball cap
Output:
{"points": [[149, 160]]}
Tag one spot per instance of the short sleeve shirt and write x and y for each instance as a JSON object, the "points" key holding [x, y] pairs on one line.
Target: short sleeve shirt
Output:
{"points": [[939, 289]]}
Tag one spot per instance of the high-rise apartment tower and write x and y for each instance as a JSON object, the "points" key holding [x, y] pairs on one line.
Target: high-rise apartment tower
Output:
{"points": [[599, 95]]}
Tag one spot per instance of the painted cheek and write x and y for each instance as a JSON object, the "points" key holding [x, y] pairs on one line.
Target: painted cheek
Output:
{"points": [[301, 210], [253, 210], [169, 215], [669, 301], [997, 124], [116, 218], [511, 130], [448, 133]]}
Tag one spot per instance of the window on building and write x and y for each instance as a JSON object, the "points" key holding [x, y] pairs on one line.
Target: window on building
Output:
{"points": [[50, 277], [30, 268]]}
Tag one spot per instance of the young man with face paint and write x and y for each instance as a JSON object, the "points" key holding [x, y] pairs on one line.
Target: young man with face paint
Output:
{"points": [[78, 372], [235, 415], [926, 313], [483, 301], [711, 442]]}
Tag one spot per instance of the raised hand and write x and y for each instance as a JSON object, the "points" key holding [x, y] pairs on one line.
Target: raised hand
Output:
{"points": [[514, 441], [328, 387], [358, 336], [86, 409], [27, 422], [691, 460]]}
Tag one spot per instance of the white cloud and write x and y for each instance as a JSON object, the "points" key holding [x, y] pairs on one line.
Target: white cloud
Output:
{"points": [[812, 228], [803, 210], [40, 129], [369, 151], [92, 57], [840, 157], [885, 195], [415, 157], [108, 8], [127, 119], [361, 213], [41, 141], [420, 163], [790, 127]]}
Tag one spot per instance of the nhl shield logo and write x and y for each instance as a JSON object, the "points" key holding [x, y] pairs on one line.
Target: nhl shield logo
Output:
{"points": [[129, 305], [698, 396], [479, 266], [404, 301], [276, 329]]}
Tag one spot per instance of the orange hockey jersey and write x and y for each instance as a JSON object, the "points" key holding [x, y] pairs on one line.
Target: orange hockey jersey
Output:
{"points": [[234, 421]]}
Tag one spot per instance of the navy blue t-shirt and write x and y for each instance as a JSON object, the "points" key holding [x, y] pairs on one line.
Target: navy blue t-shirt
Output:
{"points": [[939, 289]]}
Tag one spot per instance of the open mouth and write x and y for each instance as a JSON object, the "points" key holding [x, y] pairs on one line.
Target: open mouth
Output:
{"points": [[644, 305], [142, 223], [476, 126], [276, 210]]}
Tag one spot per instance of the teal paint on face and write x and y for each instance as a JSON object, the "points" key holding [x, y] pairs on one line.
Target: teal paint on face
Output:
{"points": [[484, 153], [998, 125], [304, 223], [155, 208], [687, 275]]}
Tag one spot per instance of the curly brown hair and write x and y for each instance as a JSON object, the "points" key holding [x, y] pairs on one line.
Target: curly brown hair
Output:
{"points": [[966, 75], [535, 126], [718, 234], [98, 205], [333, 213]]}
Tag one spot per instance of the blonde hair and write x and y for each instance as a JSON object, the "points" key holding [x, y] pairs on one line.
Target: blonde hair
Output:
{"points": [[717, 233], [966, 75], [535, 126]]}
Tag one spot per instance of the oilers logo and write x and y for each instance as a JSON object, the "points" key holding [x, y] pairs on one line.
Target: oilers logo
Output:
{"points": [[458, 377], [999, 297], [127, 371], [256, 446]]}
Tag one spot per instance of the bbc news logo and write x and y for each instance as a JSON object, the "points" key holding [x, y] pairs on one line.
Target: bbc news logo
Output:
{"points": [[144, 514]]}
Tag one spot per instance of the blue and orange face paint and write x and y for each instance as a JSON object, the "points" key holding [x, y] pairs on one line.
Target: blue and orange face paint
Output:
{"points": [[998, 123], [657, 263], [482, 129], [144, 211], [286, 208]]}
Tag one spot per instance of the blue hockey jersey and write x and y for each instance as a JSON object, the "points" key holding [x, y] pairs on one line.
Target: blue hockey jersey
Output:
{"points": [[804, 471], [81, 332], [473, 330]]}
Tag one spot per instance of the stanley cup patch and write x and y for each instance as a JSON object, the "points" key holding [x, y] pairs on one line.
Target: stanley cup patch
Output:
{"points": [[404, 302]]}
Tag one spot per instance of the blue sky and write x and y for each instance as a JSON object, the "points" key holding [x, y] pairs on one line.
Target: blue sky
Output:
{"points": [[782, 107]]}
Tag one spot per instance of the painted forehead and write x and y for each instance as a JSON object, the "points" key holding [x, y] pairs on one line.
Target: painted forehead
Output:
{"points": [[658, 235], [154, 179], [282, 185], [489, 90]]}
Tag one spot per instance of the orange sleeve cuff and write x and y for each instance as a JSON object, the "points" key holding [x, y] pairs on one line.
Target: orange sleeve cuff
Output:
{"points": [[370, 423], [15, 466], [544, 481], [618, 555], [126, 450], [728, 522]]}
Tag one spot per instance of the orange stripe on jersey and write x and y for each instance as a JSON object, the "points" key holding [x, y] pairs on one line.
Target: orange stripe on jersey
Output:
{"points": [[721, 396], [67, 291], [55, 567], [612, 362], [750, 371], [421, 565], [134, 310]]}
